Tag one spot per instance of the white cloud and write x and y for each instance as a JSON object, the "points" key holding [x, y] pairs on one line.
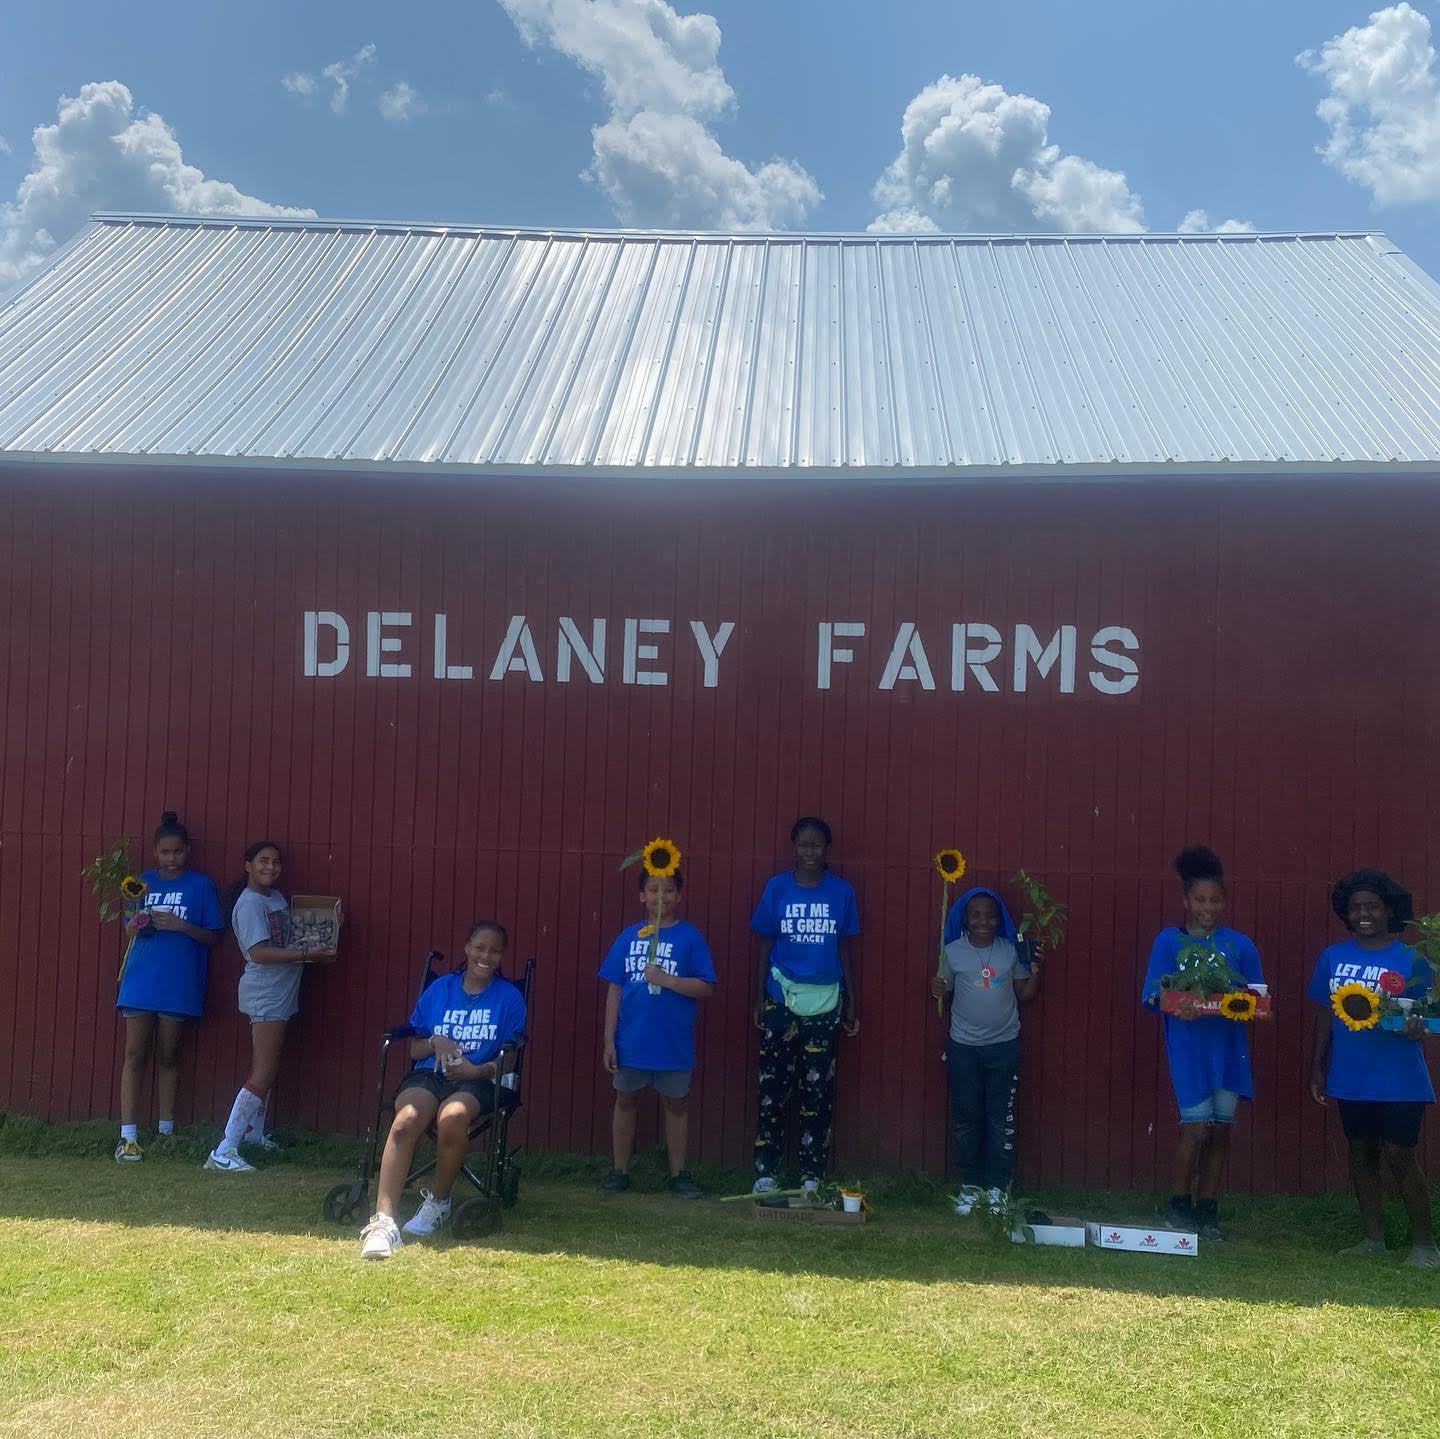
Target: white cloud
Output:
{"points": [[5, 146], [1383, 109], [297, 82], [342, 72], [655, 156], [101, 155], [975, 157], [401, 102], [1197, 222]]}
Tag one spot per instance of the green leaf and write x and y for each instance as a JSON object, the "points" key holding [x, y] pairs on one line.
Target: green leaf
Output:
{"points": [[632, 858]]}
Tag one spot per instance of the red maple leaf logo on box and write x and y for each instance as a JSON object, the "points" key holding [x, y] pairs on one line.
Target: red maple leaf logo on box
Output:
{"points": [[1114, 1236], [1149, 1239], [1182, 1244]]}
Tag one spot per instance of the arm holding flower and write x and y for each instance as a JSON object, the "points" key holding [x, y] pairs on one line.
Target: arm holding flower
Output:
{"points": [[690, 988]]}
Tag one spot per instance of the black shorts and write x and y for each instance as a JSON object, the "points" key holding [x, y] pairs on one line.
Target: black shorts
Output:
{"points": [[1391, 1121], [442, 1089]]}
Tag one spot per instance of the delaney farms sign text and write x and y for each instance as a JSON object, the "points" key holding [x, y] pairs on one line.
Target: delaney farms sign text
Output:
{"points": [[959, 655]]}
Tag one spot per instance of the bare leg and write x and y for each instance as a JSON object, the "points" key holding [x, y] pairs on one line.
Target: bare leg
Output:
{"points": [[677, 1132], [1211, 1177], [138, 1035], [1414, 1191], [622, 1129], [414, 1109], [452, 1139], [1187, 1157], [1365, 1176], [267, 1040], [168, 1033]]}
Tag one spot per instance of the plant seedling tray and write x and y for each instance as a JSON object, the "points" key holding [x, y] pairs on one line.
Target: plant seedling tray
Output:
{"points": [[1176, 1001], [1397, 1021]]}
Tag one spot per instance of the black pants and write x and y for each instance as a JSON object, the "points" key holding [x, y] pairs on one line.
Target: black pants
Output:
{"points": [[983, 1081], [797, 1056]]}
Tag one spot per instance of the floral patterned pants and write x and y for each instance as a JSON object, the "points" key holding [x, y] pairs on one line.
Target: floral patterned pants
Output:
{"points": [[797, 1057]]}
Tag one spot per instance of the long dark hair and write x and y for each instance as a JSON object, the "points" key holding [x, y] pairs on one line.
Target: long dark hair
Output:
{"points": [[232, 894]]}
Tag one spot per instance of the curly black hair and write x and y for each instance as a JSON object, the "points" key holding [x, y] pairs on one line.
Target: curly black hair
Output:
{"points": [[1397, 901], [1195, 863]]}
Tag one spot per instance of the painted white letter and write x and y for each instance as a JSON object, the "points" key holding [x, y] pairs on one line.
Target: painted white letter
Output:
{"points": [[517, 636], [444, 671], [963, 657], [635, 651], [845, 630], [1103, 655], [712, 649], [314, 665], [1061, 647], [591, 656], [907, 643], [378, 644]]}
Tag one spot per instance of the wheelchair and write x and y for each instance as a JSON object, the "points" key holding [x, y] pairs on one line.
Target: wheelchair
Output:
{"points": [[494, 1172]]}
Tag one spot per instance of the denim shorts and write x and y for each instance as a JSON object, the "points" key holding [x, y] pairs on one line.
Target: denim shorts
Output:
{"points": [[158, 1013], [1218, 1107], [672, 1083]]}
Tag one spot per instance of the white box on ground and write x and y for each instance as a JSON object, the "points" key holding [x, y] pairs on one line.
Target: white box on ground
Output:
{"points": [[1064, 1232], [1144, 1241]]}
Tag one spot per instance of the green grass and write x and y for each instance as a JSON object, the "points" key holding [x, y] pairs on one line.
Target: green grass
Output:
{"points": [[157, 1298]]}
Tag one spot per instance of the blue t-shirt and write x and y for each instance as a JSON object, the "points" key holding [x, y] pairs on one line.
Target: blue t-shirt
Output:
{"points": [[1210, 1052], [807, 925], [166, 972], [478, 1023], [657, 1031], [1372, 1063]]}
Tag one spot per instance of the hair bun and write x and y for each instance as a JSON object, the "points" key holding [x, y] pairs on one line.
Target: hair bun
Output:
{"points": [[1197, 862], [169, 817]]}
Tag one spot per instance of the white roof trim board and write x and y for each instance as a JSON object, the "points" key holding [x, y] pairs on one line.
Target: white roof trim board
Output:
{"points": [[357, 346]]}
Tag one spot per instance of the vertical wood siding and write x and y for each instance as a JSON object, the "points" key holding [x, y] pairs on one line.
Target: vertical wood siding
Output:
{"points": [[153, 658]]}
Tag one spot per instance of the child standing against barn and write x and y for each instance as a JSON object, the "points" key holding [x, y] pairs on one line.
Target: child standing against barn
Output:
{"points": [[650, 1008], [162, 985], [1209, 1055]]}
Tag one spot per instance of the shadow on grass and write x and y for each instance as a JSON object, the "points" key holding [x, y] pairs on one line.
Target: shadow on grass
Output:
{"points": [[1282, 1250]]}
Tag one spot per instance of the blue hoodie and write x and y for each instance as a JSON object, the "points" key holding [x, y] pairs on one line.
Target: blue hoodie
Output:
{"points": [[955, 920]]}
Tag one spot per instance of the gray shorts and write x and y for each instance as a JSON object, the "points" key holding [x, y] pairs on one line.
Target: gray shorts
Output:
{"points": [[672, 1083], [159, 1013], [270, 991]]}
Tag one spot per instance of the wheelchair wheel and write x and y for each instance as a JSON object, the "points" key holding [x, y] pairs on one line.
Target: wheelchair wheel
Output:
{"points": [[476, 1217], [347, 1204], [510, 1185]]}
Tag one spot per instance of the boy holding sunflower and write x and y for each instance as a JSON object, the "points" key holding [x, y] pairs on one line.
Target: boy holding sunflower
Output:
{"points": [[1377, 1076]]}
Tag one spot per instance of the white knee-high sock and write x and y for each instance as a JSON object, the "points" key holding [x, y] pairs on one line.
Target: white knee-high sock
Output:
{"points": [[247, 1106], [257, 1124]]}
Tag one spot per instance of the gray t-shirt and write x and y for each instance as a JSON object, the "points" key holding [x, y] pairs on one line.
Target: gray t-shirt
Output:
{"points": [[985, 1009], [267, 991]]}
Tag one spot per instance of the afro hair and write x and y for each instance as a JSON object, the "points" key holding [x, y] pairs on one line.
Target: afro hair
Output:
{"points": [[1397, 901]]}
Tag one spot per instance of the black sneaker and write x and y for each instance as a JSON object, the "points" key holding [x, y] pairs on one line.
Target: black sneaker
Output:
{"points": [[1179, 1213], [616, 1182], [683, 1187], [1207, 1222]]}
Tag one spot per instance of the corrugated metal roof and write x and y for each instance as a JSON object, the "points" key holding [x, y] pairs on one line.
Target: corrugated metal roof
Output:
{"points": [[349, 344]]}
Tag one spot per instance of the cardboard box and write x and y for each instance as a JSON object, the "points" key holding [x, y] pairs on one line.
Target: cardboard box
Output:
{"points": [[1143, 1240], [805, 1214], [315, 921], [1175, 1001], [1062, 1232]]}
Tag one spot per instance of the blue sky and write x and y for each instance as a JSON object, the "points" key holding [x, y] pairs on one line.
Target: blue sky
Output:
{"points": [[731, 114]]}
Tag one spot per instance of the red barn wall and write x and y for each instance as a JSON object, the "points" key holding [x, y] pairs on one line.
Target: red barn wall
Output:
{"points": [[154, 657]]}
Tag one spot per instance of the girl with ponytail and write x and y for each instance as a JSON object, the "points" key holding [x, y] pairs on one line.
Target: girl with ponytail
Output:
{"points": [[163, 982], [269, 995], [1209, 1055]]}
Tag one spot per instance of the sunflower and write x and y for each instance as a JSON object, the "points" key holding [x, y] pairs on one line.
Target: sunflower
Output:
{"points": [[950, 865], [661, 858], [1356, 1006], [1238, 1005], [134, 888]]}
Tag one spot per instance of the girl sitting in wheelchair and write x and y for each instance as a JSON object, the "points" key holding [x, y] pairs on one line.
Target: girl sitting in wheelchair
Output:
{"points": [[461, 1022]]}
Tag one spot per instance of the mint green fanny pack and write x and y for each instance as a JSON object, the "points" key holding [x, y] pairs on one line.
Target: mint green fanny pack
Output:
{"points": [[806, 999]]}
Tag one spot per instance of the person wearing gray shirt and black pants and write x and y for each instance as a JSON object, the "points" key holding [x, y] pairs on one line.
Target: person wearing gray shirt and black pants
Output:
{"points": [[988, 980]]}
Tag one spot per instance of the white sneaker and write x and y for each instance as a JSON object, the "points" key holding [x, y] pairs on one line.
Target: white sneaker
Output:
{"points": [[258, 1139], [380, 1238], [431, 1214], [966, 1200], [128, 1152], [229, 1160], [764, 1185]]}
